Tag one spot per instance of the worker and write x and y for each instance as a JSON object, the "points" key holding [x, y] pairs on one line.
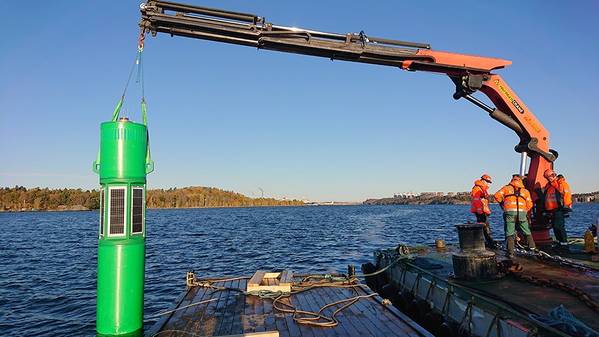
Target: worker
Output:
{"points": [[567, 197], [479, 205], [515, 201], [558, 204]]}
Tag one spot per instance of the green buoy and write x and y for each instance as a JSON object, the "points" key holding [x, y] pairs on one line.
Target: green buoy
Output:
{"points": [[123, 163]]}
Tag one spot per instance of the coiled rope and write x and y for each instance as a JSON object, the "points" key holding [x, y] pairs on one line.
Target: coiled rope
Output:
{"points": [[309, 282]]}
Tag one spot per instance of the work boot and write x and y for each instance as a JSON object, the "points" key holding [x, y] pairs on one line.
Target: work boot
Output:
{"points": [[510, 243], [564, 247], [531, 242], [489, 242]]}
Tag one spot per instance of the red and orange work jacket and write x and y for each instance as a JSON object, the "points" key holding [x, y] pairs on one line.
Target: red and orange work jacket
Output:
{"points": [[479, 203], [514, 198], [557, 195]]}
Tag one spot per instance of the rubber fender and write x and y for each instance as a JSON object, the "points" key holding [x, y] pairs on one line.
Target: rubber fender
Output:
{"points": [[464, 333], [398, 301], [432, 322], [461, 332], [388, 290], [369, 268], [445, 330], [413, 311], [423, 308], [382, 279], [407, 296]]}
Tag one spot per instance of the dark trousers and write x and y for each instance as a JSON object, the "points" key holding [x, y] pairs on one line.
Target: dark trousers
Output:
{"points": [[559, 226], [484, 219]]}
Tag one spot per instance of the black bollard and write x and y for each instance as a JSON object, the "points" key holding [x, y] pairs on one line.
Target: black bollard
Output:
{"points": [[473, 261]]}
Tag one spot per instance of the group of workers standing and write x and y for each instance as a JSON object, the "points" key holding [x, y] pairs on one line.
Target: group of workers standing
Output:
{"points": [[516, 203]]}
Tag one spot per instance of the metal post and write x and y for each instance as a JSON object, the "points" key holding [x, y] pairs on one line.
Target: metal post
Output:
{"points": [[523, 158]]}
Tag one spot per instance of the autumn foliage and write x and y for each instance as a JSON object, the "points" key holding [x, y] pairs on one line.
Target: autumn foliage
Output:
{"points": [[19, 198]]}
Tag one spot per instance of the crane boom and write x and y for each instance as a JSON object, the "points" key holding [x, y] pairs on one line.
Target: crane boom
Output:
{"points": [[469, 73]]}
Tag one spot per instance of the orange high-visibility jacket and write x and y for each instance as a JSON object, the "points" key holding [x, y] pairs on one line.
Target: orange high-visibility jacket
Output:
{"points": [[557, 194], [514, 198], [479, 203], [567, 192]]}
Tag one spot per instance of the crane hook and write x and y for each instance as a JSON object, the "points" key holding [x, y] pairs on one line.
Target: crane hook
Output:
{"points": [[141, 39]]}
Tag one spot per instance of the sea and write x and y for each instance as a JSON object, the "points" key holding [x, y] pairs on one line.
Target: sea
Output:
{"points": [[48, 259]]}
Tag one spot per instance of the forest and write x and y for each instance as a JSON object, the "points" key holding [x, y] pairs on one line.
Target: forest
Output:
{"points": [[19, 198]]}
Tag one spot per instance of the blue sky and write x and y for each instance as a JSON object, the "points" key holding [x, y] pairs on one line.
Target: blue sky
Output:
{"points": [[241, 119]]}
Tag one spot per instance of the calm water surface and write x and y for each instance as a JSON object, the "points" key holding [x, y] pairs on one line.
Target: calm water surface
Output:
{"points": [[48, 260]]}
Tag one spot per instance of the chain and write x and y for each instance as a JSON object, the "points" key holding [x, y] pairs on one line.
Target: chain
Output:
{"points": [[541, 255], [568, 288]]}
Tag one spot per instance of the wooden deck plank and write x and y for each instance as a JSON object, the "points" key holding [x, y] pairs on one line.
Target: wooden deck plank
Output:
{"points": [[286, 276], [361, 323], [320, 302], [256, 279], [248, 310], [376, 315], [388, 317], [399, 318], [280, 324], [237, 324], [178, 319], [292, 327], [229, 311], [233, 313], [224, 307], [165, 318], [355, 315], [211, 315], [205, 317], [345, 326], [253, 319], [299, 302], [315, 303], [259, 313], [269, 315], [194, 314]]}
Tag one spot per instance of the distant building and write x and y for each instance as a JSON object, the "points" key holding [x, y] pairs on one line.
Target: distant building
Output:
{"points": [[406, 195], [587, 197], [432, 194]]}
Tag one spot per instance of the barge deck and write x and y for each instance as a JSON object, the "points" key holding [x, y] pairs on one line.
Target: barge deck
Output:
{"points": [[423, 285], [224, 308]]}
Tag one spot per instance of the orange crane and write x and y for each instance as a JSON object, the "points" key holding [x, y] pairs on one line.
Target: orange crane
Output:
{"points": [[469, 73]]}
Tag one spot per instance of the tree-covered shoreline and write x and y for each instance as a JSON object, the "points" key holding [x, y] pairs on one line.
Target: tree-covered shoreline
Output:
{"points": [[19, 198]]}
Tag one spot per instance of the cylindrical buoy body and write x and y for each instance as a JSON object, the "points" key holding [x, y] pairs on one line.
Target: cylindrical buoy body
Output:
{"points": [[123, 165]]}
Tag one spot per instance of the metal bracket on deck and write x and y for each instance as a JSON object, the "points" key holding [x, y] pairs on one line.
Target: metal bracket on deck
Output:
{"points": [[271, 281], [190, 278]]}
